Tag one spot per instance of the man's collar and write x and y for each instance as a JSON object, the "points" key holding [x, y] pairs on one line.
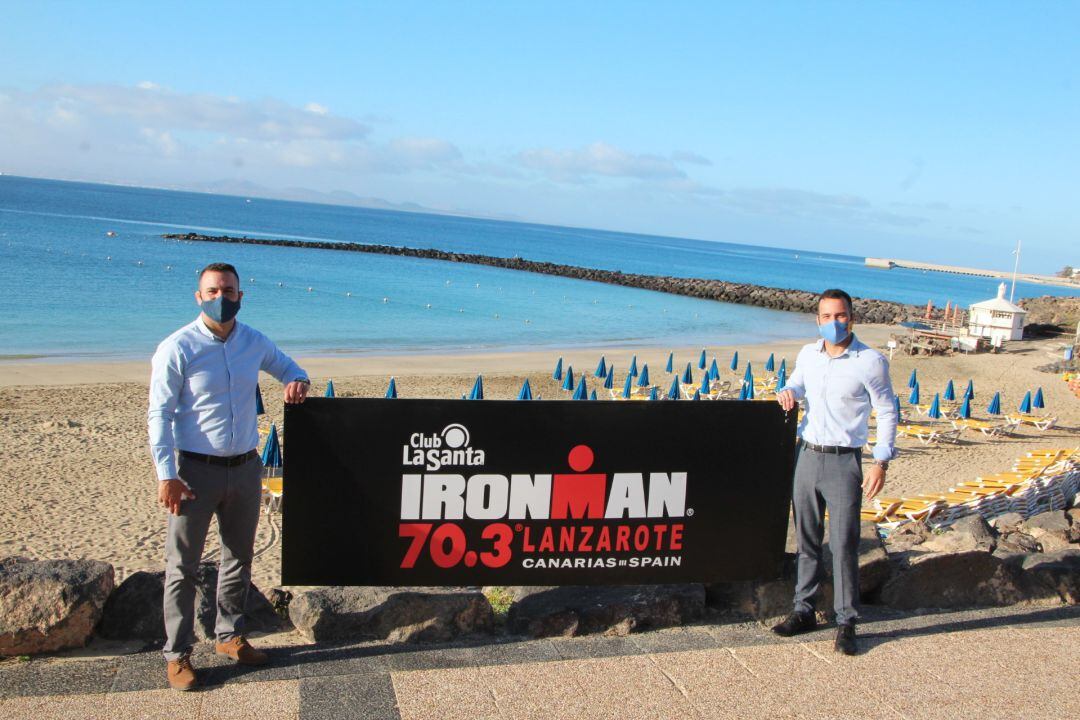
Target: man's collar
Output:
{"points": [[201, 325], [853, 347]]}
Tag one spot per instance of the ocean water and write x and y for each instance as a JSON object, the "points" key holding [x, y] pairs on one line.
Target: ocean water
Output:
{"points": [[71, 291]]}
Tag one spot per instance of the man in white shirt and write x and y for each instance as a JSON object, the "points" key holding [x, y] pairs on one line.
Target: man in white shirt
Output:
{"points": [[839, 379], [202, 404]]}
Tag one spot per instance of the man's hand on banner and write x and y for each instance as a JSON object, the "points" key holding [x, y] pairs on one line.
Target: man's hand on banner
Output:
{"points": [[296, 392]]}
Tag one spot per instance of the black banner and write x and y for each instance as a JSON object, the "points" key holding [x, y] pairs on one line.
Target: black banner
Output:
{"points": [[450, 492]]}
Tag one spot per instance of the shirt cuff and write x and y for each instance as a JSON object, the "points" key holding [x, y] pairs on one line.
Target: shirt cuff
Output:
{"points": [[166, 470], [884, 453]]}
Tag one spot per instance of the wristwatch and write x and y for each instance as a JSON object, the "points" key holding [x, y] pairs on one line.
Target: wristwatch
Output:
{"points": [[883, 464]]}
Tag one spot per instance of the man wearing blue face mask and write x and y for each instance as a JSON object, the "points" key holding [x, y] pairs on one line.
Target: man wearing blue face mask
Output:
{"points": [[202, 404], [839, 379]]}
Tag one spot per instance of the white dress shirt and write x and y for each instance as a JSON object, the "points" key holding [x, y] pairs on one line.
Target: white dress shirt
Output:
{"points": [[202, 392], [839, 392]]}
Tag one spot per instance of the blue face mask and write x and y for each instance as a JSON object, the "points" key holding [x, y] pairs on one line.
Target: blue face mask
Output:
{"points": [[834, 332], [220, 309]]}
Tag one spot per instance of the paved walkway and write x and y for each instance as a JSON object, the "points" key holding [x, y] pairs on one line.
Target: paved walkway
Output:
{"points": [[1001, 663]]}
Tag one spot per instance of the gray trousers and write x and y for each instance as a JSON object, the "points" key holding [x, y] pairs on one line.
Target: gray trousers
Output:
{"points": [[234, 495], [834, 481]]}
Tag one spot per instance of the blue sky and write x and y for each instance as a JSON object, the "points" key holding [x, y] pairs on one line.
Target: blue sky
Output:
{"points": [[936, 131]]}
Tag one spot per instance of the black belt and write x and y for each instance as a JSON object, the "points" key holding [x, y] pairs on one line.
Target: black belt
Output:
{"points": [[831, 449], [218, 460]]}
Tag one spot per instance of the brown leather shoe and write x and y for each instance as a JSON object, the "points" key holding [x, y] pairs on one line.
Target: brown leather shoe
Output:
{"points": [[181, 675], [240, 650]]}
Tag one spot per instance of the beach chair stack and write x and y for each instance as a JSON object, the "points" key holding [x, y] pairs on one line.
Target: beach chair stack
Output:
{"points": [[1040, 481]]}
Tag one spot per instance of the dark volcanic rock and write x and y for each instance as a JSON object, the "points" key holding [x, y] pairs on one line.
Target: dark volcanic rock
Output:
{"points": [[390, 613], [868, 311], [943, 580], [1053, 576], [49, 605], [134, 610], [1018, 542], [967, 533], [612, 610]]}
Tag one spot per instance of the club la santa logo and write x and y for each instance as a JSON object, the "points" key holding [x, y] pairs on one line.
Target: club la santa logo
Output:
{"points": [[448, 448]]}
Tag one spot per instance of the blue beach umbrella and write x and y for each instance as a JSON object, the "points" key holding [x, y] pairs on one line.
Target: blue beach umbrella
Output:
{"points": [[1037, 401], [1025, 404], [391, 390], [688, 375], [592, 395], [994, 408], [913, 398], [477, 392], [734, 361], [748, 376], [643, 379], [670, 365], [781, 378], [557, 375], [701, 360], [271, 454], [770, 364], [609, 381], [601, 368], [697, 395], [969, 391], [750, 389], [742, 392], [581, 392], [714, 372], [965, 408], [913, 380], [654, 394], [950, 392], [896, 404], [260, 409], [627, 387], [783, 366], [673, 391], [329, 388], [705, 384], [526, 391], [568, 379], [633, 366], [935, 408]]}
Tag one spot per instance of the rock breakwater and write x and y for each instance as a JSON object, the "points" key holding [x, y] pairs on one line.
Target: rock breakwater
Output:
{"points": [[867, 310]]}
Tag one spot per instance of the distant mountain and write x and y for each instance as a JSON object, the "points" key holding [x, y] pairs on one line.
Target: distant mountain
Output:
{"points": [[244, 188]]}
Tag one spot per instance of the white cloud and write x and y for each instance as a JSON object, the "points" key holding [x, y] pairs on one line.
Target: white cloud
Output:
{"points": [[598, 159]]}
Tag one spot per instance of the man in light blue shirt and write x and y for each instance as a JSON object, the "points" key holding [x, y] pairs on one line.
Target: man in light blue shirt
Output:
{"points": [[839, 379], [202, 406]]}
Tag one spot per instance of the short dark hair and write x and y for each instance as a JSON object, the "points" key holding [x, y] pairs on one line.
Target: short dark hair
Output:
{"points": [[221, 268], [837, 294]]}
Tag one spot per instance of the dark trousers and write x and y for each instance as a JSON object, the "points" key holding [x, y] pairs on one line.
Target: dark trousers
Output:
{"points": [[234, 495], [825, 480]]}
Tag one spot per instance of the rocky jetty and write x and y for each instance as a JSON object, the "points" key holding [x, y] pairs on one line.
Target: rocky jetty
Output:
{"points": [[867, 310]]}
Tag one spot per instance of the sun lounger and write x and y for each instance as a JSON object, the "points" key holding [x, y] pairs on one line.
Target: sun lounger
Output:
{"points": [[988, 428], [1040, 422]]}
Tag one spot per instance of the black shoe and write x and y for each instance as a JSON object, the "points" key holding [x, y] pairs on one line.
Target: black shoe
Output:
{"points": [[845, 639], [796, 623]]}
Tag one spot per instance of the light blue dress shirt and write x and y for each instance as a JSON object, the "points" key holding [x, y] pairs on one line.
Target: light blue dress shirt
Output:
{"points": [[202, 392], [838, 393]]}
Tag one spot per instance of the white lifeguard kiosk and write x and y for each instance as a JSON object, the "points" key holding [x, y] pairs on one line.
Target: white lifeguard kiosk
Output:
{"points": [[996, 319]]}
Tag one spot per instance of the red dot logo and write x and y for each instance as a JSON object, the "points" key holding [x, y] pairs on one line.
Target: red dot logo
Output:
{"points": [[581, 458]]}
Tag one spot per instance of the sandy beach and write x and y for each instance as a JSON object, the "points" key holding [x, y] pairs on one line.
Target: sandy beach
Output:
{"points": [[76, 478]]}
